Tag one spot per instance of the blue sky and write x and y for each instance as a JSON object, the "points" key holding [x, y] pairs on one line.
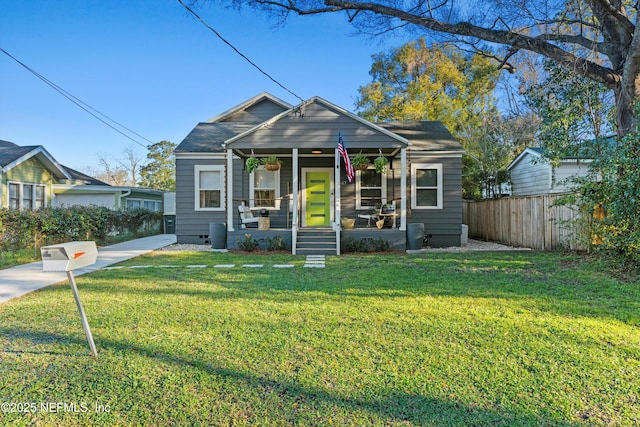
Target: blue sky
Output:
{"points": [[152, 67]]}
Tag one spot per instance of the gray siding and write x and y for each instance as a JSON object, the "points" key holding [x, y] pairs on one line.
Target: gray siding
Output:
{"points": [[192, 226], [443, 226], [258, 113], [530, 177]]}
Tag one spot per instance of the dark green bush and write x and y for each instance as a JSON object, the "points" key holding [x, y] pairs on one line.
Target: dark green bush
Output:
{"points": [[24, 229], [276, 243], [366, 244], [248, 244]]}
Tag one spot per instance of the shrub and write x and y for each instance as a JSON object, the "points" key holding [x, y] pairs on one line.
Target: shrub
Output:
{"points": [[366, 244], [23, 229], [248, 244], [610, 196], [276, 243]]}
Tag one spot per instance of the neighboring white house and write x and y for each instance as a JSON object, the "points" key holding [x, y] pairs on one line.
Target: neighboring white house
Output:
{"points": [[532, 174]]}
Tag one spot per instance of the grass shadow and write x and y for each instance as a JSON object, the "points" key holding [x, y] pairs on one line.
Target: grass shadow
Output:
{"points": [[296, 400]]}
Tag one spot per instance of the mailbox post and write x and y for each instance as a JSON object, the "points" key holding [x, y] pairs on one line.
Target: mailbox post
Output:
{"points": [[67, 257]]}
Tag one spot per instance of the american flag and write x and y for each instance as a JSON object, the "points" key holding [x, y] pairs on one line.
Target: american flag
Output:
{"points": [[347, 162]]}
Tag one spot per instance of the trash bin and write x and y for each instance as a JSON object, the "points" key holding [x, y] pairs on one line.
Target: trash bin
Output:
{"points": [[218, 235], [170, 224], [263, 222], [415, 236]]}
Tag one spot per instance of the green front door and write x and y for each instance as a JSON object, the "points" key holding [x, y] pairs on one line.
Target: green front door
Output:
{"points": [[318, 199]]}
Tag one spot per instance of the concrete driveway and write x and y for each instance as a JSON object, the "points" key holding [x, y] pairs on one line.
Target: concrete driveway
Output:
{"points": [[17, 281]]}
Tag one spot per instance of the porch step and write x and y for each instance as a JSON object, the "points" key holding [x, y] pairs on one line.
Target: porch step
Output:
{"points": [[316, 242]]}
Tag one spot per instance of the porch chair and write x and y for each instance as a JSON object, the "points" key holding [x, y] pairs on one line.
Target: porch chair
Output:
{"points": [[246, 216], [380, 215], [371, 215]]}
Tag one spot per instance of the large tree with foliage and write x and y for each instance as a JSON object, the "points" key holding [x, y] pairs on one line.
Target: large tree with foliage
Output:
{"points": [[573, 109], [594, 38], [160, 170], [421, 82], [437, 82]]}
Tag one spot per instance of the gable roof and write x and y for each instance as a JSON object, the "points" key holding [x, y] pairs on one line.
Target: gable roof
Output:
{"points": [[11, 155], [209, 136], [299, 111], [80, 176], [240, 128], [425, 135], [243, 106]]}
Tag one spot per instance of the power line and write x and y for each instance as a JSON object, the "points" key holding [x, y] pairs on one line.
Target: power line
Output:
{"points": [[86, 107], [237, 51]]}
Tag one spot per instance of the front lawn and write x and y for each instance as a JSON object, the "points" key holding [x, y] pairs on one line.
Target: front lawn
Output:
{"points": [[433, 339]]}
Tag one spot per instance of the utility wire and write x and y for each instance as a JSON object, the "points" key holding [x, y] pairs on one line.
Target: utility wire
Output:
{"points": [[86, 107], [237, 51]]}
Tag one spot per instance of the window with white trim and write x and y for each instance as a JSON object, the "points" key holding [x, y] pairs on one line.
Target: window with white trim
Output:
{"points": [[134, 203], [264, 185], [426, 186], [14, 196], [209, 188], [26, 196], [371, 189], [39, 199]]}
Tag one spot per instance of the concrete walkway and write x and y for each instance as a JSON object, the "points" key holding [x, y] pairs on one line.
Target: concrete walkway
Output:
{"points": [[23, 279]]}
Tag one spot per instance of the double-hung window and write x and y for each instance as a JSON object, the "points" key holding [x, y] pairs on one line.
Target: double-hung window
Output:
{"points": [[371, 189], [426, 186], [264, 185], [14, 196], [26, 196], [209, 188]]}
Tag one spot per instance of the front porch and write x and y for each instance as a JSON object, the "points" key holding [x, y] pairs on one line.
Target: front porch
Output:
{"points": [[311, 194]]}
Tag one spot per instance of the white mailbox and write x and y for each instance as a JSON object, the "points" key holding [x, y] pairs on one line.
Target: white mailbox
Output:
{"points": [[68, 256]]}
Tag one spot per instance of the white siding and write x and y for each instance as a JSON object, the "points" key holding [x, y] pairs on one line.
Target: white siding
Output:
{"points": [[106, 200], [563, 175]]}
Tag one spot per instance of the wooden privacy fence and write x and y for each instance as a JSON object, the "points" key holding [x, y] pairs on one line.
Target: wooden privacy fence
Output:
{"points": [[529, 222]]}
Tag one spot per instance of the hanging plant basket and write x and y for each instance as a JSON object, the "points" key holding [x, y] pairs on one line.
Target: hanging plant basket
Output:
{"points": [[360, 162], [271, 163], [380, 163], [252, 164]]}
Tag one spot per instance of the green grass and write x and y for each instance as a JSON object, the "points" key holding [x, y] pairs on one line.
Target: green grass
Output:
{"points": [[17, 257], [434, 339]]}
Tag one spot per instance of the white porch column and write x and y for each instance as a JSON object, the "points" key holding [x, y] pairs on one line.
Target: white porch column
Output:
{"points": [[294, 195], [229, 197], [336, 185], [403, 189]]}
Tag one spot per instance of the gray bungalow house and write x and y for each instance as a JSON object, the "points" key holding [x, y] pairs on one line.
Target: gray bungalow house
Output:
{"points": [[309, 201]]}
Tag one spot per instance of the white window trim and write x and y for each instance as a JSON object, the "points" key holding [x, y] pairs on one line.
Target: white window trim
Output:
{"points": [[21, 186], [252, 188], [196, 186], [414, 168], [383, 181]]}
